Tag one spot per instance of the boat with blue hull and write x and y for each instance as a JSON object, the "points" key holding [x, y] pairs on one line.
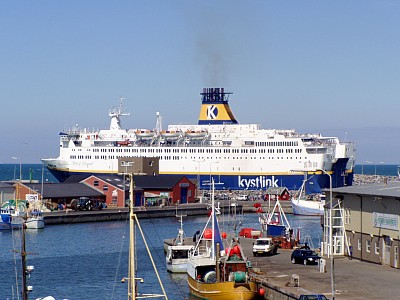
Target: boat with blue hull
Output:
{"points": [[12, 214], [236, 156]]}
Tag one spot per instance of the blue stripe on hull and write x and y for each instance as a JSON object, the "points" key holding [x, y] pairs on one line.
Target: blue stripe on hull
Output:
{"points": [[242, 182]]}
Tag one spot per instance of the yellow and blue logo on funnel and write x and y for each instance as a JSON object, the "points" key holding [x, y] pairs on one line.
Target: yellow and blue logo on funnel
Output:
{"points": [[215, 108]]}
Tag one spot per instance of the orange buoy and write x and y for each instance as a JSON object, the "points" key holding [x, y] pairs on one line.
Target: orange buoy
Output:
{"points": [[224, 235]]}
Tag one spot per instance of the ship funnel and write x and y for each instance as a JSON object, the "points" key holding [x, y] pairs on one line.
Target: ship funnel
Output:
{"points": [[215, 108]]}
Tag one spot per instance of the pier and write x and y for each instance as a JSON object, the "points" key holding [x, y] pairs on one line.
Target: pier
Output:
{"points": [[189, 209], [354, 279]]}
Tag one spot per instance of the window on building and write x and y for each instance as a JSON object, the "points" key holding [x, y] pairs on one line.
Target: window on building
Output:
{"points": [[347, 216], [96, 183], [368, 246], [105, 188], [377, 249], [359, 245]]}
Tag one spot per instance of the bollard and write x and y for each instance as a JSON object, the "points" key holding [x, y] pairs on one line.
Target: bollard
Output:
{"points": [[295, 280]]}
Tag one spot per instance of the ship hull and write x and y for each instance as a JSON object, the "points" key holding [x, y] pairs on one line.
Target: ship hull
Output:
{"points": [[224, 182], [308, 207], [223, 290]]}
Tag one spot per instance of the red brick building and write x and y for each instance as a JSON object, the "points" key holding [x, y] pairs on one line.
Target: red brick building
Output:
{"points": [[280, 193]]}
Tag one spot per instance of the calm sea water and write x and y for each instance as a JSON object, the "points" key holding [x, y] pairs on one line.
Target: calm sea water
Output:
{"points": [[27, 171], [88, 260]]}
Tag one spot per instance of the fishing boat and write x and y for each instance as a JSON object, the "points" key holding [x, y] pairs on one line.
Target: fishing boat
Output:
{"points": [[309, 200], [249, 157], [275, 224], [178, 253], [12, 214], [217, 274], [35, 219]]}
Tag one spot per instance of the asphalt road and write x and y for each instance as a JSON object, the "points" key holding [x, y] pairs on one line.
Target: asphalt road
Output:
{"points": [[353, 279]]}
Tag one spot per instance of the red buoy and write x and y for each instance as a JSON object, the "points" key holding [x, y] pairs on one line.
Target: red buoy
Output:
{"points": [[261, 292], [208, 233], [224, 235]]}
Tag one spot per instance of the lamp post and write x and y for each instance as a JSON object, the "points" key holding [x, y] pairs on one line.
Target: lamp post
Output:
{"points": [[20, 167], [370, 162], [198, 176], [381, 162], [330, 252], [211, 163]]}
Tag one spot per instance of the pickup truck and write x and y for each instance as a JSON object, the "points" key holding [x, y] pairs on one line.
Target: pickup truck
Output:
{"points": [[264, 245]]}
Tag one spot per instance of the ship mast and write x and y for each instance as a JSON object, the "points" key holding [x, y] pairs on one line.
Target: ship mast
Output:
{"points": [[133, 220], [115, 113]]}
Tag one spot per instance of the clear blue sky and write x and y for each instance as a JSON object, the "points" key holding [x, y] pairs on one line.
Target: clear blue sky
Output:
{"points": [[316, 66]]}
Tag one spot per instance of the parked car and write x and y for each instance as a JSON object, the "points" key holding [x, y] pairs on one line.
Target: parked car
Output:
{"points": [[264, 246], [313, 297], [305, 256]]}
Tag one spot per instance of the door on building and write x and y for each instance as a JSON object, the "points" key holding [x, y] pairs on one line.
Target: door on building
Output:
{"points": [[184, 192], [386, 251], [396, 257], [338, 244], [138, 199]]}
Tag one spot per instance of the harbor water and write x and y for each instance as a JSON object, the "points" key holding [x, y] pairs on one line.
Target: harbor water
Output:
{"points": [[88, 260]]}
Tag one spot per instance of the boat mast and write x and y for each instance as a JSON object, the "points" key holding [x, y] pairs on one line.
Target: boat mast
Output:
{"points": [[131, 274], [23, 260], [132, 291], [213, 217]]}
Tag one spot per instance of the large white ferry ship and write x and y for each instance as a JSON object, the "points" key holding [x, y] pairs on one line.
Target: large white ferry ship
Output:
{"points": [[236, 156]]}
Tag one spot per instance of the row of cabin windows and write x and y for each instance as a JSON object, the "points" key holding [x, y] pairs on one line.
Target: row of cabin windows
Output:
{"points": [[211, 151], [277, 144], [192, 158]]}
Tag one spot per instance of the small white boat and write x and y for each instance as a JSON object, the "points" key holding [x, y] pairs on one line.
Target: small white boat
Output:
{"points": [[309, 200], [177, 254], [34, 220], [308, 207], [177, 258]]}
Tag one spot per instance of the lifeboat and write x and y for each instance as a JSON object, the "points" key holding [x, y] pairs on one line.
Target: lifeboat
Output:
{"points": [[170, 134], [145, 134], [196, 134]]}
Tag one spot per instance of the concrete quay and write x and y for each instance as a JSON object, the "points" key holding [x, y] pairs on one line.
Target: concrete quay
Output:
{"points": [[113, 214], [353, 279]]}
